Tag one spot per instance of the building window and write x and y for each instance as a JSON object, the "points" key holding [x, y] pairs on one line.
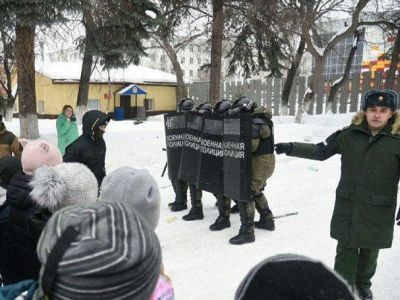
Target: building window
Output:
{"points": [[183, 72], [191, 60], [191, 48], [182, 60], [198, 49], [40, 107], [162, 58], [191, 72], [148, 104], [199, 60], [93, 104]]}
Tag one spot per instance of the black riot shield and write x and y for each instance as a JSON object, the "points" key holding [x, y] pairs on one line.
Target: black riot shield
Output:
{"points": [[189, 170], [175, 130], [237, 157], [212, 152]]}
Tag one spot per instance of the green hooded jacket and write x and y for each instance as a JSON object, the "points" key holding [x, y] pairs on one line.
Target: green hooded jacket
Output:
{"points": [[67, 132], [366, 196]]}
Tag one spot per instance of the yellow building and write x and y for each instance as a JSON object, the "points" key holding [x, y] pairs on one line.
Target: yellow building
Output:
{"points": [[57, 84]]}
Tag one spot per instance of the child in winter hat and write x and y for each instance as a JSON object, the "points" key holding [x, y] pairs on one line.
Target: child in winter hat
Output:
{"points": [[100, 251], [135, 186], [37, 154], [138, 188], [291, 276], [63, 185]]}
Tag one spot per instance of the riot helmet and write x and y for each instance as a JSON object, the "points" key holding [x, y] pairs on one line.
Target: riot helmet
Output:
{"points": [[185, 104], [222, 107], [243, 104], [205, 108]]}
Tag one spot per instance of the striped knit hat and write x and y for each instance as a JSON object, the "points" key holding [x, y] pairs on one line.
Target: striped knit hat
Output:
{"points": [[100, 251]]}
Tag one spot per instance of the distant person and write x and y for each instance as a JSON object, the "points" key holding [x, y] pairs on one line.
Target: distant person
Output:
{"points": [[9, 143], [67, 129], [290, 277], [90, 148], [366, 196]]}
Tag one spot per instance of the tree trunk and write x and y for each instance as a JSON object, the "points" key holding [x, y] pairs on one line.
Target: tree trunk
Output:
{"points": [[310, 93], [291, 75], [9, 109], [216, 50], [180, 87], [83, 92], [391, 74], [25, 59], [339, 83]]}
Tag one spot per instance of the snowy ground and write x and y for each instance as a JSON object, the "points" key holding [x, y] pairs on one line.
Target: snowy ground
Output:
{"points": [[202, 264]]}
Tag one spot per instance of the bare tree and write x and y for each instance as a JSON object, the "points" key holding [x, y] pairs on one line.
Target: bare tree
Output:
{"points": [[342, 80], [217, 36], [320, 53], [180, 28], [8, 61]]}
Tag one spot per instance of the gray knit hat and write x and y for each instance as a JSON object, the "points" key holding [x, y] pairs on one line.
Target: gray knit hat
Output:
{"points": [[291, 276], [135, 186], [62, 185], [101, 251]]}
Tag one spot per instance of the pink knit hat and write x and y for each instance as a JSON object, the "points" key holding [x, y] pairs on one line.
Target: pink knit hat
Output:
{"points": [[37, 154]]}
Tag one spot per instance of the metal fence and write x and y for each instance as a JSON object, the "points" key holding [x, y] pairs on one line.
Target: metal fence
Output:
{"points": [[268, 92]]}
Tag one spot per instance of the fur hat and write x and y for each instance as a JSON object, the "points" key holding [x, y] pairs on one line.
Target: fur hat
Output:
{"points": [[135, 186], [387, 98], [101, 251], [290, 276], [37, 154], [63, 185]]}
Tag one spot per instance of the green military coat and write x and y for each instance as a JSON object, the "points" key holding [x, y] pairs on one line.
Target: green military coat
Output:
{"points": [[67, 132], [366, 196]]}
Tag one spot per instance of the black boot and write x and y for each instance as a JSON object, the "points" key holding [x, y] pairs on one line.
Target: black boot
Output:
{"points": [[266, 221], [245, 236], [220, 223], [180, 203], [178, 206], [246, 232], [195, 213], [365, 293]]}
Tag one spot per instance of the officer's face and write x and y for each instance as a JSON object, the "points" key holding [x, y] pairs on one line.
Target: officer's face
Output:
{"points": [[378, 116]]}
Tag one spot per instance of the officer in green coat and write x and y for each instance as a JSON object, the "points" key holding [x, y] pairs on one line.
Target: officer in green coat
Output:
{"points": [[366, 197], [67, 129]]}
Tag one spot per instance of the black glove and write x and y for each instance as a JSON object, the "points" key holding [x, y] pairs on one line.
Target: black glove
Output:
{"points": [[73, 119], [398, 217], [283, 148]]}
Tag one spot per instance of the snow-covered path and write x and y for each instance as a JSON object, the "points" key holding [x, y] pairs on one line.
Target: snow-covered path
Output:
{"points": [[202, 264]]}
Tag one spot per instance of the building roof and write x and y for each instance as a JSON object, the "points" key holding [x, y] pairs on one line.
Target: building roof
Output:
{"points": [[132, 89], [71, 72]]}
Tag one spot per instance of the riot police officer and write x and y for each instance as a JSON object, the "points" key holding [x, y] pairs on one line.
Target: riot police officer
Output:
{"points": [[263, 164], [196, 212], [221, 108], [180, 186]]}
